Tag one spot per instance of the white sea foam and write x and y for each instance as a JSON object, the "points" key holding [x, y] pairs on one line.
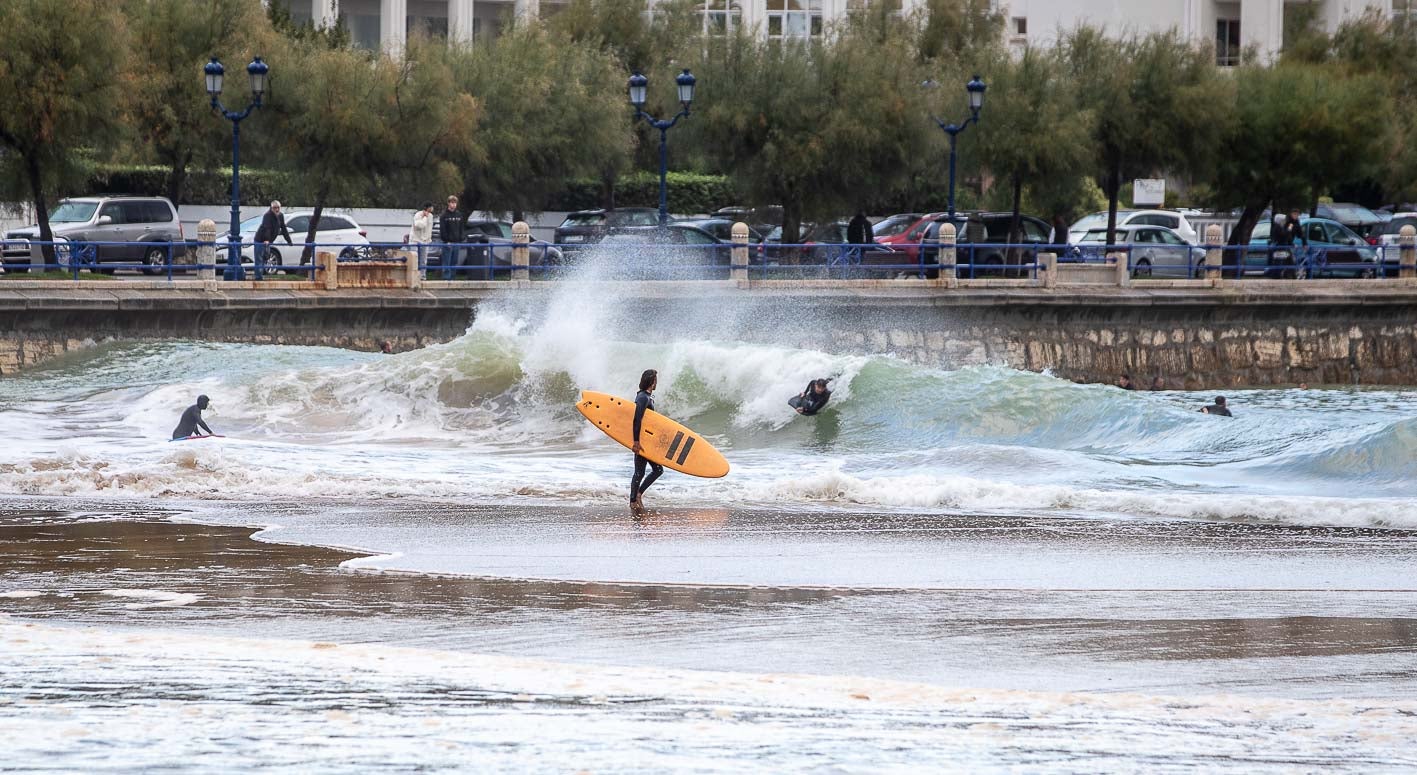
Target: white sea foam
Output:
{"points": [[20, 594], [153, 598], [431, 709]]}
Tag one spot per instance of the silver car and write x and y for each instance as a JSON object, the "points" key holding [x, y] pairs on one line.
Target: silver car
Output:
{"points": [[1156, 251], [125, 229]]}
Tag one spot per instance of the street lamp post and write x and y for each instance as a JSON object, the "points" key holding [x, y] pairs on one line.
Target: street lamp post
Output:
{"points": [[638, 86], [975, 88], [215, 72]]}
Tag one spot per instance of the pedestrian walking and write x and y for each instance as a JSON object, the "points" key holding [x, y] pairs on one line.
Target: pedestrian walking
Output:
{"points": [[420, 233], [272, 226], [452, 227]]}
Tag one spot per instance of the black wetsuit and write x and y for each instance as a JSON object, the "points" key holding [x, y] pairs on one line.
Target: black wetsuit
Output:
{"points": [[812, 401], [1219, 409], [639, 482], [191, 420]]}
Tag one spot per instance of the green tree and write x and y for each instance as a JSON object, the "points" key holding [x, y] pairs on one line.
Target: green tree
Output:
{"points": [[167, 108], [816, 126], [1156, 100], [551, 112], [347, 121], [1036, 135], [60, 93], [966, 32], [1293, 131]]}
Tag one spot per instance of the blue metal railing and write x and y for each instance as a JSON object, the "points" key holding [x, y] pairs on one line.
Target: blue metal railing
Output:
{"points": [[480, 260]]}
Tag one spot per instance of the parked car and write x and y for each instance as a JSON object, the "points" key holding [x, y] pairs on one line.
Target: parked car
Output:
{"points": [[1362, 221], [587, 227], [1155, 251], [893, 225], [760, 219], [141, 227], [498, 234], [709, 257], [830, 234], [720, 228], [1334, 251], [335, 233], [1171, 219], [981, 237], [1388, 238]]}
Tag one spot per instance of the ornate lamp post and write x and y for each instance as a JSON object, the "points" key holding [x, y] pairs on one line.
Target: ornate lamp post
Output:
{"points": [[215, 72], [638, 86], [975, 88]]}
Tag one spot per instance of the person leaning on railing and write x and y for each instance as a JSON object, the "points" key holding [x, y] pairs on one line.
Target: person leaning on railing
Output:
{"points": [[272, 226], [1285, 234]]}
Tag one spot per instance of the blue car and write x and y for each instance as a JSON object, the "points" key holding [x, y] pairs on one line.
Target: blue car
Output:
{"points": [[1334, 250]]}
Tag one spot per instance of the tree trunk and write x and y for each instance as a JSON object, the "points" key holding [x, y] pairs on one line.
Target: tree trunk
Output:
{"points": [[1014, 255], [1114, 190], [791, 229], [177, 180], [41, 209], [308, 254], [518, 215], [1240, 235]]}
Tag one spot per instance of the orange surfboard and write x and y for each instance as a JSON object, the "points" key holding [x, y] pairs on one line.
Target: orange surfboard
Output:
{"points": [[661, 439]]}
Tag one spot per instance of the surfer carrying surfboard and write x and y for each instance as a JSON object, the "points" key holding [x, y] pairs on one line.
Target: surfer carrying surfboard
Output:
{"points": [[643, 400], [192, 419]]}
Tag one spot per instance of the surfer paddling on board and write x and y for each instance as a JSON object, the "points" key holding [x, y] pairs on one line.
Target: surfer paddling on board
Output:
{"points": [[192, 420], [643, 400], [813, 399]]}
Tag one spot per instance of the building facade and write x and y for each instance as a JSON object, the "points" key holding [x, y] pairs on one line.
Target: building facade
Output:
{"points": [[1232, 25]]}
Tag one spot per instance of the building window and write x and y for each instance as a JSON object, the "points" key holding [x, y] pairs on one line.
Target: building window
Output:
{"points": [[894, 6], [720, 17], [433, 26], [1227, 42], [1020, 25], [794, 18], [363, 30]]}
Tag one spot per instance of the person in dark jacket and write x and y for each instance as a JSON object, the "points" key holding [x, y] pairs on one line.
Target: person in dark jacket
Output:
{"points": [[1288, 234], [272, 226], [1060, 231], [813, 399], [1218, 407], [859, 231], [452, 229], [644, 400], [192, 420]]}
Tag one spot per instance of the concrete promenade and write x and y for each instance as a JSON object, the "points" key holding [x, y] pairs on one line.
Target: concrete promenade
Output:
{"points": [[1193, 334]]}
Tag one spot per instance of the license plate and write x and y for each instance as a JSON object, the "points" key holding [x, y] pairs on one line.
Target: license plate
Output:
{"points": [[575, 238]]}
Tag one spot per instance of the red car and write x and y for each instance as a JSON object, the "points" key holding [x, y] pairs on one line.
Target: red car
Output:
{"points": [[908, 241]]}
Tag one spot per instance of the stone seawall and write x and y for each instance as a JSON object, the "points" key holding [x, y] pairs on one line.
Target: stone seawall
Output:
{"points": [[1256, 333]]}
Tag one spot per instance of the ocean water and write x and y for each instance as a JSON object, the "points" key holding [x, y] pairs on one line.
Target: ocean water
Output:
{"points": [[489, 416]]}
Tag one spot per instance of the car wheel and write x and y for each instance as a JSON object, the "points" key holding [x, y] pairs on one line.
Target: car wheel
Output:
{"points": [[1368, 273], [1142, 269], [274, 261], [154, 259], [348, 254]]}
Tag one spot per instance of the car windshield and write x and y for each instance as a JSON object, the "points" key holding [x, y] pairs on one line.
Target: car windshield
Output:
{"points": [[250, 225], [1090, 222], [1395, 225], [896, 224], [72, 212], [634, 218], [1100, 235], [583, 219]]}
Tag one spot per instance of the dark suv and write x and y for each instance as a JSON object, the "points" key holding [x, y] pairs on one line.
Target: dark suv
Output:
{"points": [[128, 229], [587, 227]]}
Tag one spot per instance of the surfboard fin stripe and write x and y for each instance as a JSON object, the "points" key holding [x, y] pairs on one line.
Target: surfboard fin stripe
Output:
{"points": [[674, 445], [688, 445]]}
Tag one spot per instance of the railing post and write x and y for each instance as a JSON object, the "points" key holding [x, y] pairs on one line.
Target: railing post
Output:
{"points": [[1214, 255], [1407, 254], [948, 271], [521, 252], [1123, 264], [1048, 270], [412, 276], [738, 259], [206, 251], [327, 270]]}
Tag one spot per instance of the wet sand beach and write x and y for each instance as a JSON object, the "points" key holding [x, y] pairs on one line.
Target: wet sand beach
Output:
{"points": [[151, 612]]}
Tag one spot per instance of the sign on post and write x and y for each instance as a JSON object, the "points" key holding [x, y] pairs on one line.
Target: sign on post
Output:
{"points": [[1149, 191]]}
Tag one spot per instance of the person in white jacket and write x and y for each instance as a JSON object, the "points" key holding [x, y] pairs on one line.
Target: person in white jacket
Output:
{"points": [[421, 232]]}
